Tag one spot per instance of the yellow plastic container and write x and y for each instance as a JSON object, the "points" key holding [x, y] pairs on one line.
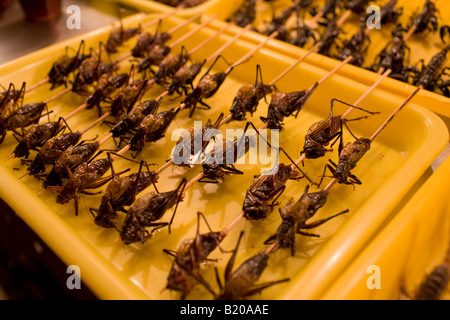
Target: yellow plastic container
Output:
{"points": [[221, 7], [398, 159], [407, 249], [421, 47]]}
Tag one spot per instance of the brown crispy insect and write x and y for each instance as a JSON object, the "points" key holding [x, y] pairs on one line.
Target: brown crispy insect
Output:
{"points": [[9, 101], [323, 132], [107, 84], [51, 150], [393, 56], [135, 116], [432, 286], [120, 192], [70, 159], [356, 46], [245, 15], [154, 57], [35, 137], [184, 78], [65, 65], [87, 175], [25, 115], [240, 284], [426, 20], [149, 208], [329, 37], [170, 65], [147, 41], [220, 161], [152, 128], [348, 158], [119, 35], [248, 96], [126, 97], [207, 86], [284, 105], [184, 274], [429, 76], [295, 216]]}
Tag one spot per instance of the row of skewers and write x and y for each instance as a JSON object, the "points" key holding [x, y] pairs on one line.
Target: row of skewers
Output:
{"points": [[324, 25], [146, 211]]}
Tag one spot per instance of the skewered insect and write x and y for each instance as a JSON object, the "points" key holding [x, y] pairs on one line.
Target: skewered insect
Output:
{"points": [[240, 284], [348, 158], [321, 133], [184, 274], [69, 160], [152, 128], [35, 136], [356, 46], [8, 104], [51, 150], [426, 20], [328, 9], [154, 57], [429, 77], [207, 86], [90, 70], [87, 175], [126, 97], [170, 65], [184, 78], [393, 56], [193, 141], [147, 41], [133, 118], [150, 207], [248, 96], [118, 36], [106, 85], [277, 24], [220, 160], [390, 13], [284, 105], [245, 15], [269, 187], [295, 216], [302, 32], [120, 192], [328, 38], [25, 115], [65, 65]]}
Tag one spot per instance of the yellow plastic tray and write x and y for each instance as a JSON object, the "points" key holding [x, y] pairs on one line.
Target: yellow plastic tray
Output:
{"points": [[413, 243], [216, 6], [112, 270], [421, 47]]}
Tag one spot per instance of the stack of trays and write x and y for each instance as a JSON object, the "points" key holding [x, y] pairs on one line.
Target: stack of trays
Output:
{"points": [[325, 267]]}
